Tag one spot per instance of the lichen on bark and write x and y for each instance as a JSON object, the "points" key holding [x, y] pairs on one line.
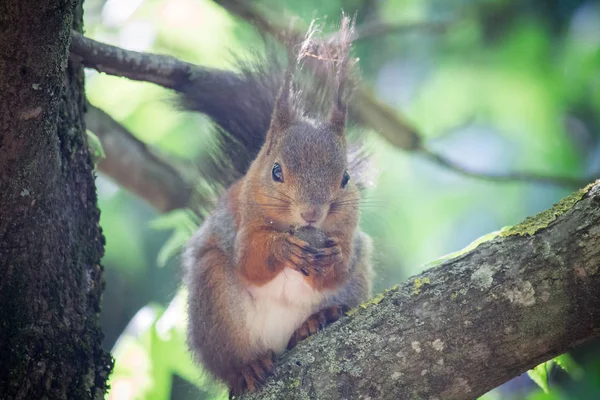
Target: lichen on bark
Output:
{"points": [[541, 220]]}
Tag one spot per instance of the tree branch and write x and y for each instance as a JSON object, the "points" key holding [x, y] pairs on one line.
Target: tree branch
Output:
{"points": [[570, 182], [376, 29], [129, 162], [468, 325], [162, 70], [172, 73]]}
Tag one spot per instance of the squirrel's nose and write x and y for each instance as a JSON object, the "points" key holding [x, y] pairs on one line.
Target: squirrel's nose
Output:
{"points": [[312, 214]]}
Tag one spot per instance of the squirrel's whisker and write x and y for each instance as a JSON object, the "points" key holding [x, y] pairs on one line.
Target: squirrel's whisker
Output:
{"points": [[286, 196], [277, 198]]}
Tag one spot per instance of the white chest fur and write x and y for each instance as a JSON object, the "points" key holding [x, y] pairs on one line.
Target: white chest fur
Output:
{"points": [[278, 308]]}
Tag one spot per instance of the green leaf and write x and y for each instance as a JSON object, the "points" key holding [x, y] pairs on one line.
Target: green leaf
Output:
{"points": [[541, 395], [183, 219], [151, 350], [566, 362], [183, 223], [95, 146], [171, 247], [540, 375], [133, 376]]}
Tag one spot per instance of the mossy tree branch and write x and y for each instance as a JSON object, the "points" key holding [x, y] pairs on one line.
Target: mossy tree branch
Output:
{"points": [[466, 326]]}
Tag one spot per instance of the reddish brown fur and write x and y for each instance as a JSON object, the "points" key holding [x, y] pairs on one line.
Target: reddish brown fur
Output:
{"points": [[248, 242], [264, 252]]}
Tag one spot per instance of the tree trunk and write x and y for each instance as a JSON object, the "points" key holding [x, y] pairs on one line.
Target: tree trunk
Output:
{"points": [[466, 326], [50, 241]]}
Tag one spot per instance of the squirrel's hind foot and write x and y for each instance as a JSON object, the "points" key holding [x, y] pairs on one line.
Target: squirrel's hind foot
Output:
{"points": [[317, 322], [253, 375]]}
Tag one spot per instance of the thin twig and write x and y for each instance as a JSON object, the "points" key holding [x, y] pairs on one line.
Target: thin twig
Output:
{"points": [[375, 29], [570, 182]]}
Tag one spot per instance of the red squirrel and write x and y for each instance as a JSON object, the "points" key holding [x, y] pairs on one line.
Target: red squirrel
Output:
{"points": [[281, 256]]}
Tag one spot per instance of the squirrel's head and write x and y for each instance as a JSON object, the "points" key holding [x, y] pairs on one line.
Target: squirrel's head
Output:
{"points": [[303, 178], [302, 169]]}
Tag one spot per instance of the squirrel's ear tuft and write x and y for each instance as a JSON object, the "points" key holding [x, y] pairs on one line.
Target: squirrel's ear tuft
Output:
{"points": [[285, 110], [283, 113], [340, 46], [332, 65]]}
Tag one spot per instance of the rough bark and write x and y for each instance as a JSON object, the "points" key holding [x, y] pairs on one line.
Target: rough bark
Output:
{"points": [[466, 326], [50, 241]]}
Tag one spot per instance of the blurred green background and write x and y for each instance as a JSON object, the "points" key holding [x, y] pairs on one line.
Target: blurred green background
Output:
{"points": [[496, 86]]}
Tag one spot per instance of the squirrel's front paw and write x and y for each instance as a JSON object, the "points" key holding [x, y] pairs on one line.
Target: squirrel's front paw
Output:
{"points": [[327, 256], [297, 253], [325, 259], [311, 260], [253, 375]]}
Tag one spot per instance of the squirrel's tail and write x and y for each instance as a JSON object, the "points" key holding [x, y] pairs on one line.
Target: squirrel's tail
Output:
{"points": [[240, 105]]}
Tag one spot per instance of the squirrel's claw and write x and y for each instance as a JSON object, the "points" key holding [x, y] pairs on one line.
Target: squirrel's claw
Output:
{"points": [[327, 258], [303, 245], [317, 322], [330, 243], [253, 375], [307, 259]]}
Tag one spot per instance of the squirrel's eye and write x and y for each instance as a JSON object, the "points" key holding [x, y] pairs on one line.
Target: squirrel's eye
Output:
{"points": [[277, 173], [345, 179]]}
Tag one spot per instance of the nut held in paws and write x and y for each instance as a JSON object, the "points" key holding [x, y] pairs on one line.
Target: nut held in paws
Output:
{"points": [[314, 236]]}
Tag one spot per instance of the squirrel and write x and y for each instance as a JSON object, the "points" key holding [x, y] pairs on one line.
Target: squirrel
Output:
{"points": [[281, 256]]}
